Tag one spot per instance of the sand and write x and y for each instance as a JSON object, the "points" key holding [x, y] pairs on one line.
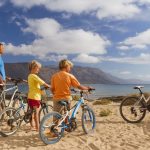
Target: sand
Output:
{"points": [[111, 133]]}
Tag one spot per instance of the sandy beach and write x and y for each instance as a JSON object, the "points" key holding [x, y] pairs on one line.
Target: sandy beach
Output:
{"points": [[111, 133]]}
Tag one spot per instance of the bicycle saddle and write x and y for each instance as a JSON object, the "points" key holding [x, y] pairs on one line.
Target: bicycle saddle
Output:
{"points": [[63, 103], [138, 87]]}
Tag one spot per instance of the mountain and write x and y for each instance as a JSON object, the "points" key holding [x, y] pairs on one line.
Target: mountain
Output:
{"points": [[85, 75]]}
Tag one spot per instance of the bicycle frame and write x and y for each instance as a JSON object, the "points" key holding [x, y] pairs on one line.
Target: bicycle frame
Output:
{"points": [[77, 106], [3, 94], [21, 107], [142, 97], [75, 110]]}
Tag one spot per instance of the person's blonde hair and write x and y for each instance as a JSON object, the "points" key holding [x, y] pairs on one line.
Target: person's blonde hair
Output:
{"points": [[64, 63], [34, 64]]}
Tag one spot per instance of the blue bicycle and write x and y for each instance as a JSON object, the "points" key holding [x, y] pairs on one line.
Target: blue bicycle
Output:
{"points": [[54, 124]]}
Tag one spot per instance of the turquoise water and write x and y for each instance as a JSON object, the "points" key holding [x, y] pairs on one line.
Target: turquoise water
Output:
{"points": [[104, 90]]}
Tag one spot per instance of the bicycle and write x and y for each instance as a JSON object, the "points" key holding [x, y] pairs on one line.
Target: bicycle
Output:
{"points": [[133, 109], [11, 118], [15, 94], [54, 124]]}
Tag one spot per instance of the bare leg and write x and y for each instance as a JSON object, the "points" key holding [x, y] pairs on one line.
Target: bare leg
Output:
{"points": [[32, 121], [36, 117]]}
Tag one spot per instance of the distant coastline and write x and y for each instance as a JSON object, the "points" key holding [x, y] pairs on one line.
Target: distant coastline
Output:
{"points": [[85, 75]]}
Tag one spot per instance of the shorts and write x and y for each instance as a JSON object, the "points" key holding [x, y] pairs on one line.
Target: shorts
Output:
{"points": [[57, 107], [32, 103]]}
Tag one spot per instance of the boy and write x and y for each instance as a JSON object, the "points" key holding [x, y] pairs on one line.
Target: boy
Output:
{"points": [[61, 82]]}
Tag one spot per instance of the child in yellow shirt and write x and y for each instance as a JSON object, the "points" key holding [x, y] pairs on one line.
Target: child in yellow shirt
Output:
{"points": [[34, 94]]}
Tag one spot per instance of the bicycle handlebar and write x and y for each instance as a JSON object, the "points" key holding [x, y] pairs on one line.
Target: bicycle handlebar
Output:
{"points": [[83, 91], [19, 80], [44, 88]]}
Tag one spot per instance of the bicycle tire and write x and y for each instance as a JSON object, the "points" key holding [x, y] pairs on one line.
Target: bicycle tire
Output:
{"points": [[45, 110], [9, 121], [132, 110], [88, 120], [2, 105], [47, 132]]}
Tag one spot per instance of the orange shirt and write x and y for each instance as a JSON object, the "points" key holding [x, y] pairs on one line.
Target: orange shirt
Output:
{"points": [[61, 83]]}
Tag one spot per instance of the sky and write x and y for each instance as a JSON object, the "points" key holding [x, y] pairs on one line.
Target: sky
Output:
{"points": [[113, 36]]}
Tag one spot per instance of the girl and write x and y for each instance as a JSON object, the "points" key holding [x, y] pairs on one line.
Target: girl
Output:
{"points": [[34, 94]]}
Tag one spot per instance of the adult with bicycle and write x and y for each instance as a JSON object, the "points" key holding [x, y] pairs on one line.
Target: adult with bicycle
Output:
{"points": [[2, 68], [35, 92]]}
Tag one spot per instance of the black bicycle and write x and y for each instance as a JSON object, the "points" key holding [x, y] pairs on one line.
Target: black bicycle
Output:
{"points": [[133, 109]]}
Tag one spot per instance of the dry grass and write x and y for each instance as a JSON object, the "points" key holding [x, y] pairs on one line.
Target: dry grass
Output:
{"points": [[104, 113], [75, 97], [102, 102]]}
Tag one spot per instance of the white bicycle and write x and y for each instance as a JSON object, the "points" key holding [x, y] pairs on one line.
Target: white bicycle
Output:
{"points": [[11, 101], [133, 109]]}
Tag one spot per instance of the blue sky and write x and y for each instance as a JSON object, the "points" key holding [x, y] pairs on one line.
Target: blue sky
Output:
{"points": [[111, 35]]}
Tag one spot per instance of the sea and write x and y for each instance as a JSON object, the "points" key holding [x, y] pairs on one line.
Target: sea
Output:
{"points": [[104, 90]]}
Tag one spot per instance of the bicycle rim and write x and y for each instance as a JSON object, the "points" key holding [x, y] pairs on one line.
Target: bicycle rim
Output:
{"points": [[88, 120], [9, 121], [49, 132], [132, 110]]}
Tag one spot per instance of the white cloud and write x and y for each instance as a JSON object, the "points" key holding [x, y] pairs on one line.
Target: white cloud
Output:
{"points": [[84, 58], [66, 15], [55, 58], [124, 48], [52, 38], [2, 2], [143, 58], [118, 9], [140, 41], [125, 72]]}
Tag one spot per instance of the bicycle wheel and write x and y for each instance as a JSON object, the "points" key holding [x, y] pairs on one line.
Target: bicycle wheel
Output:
{"points": [[45, 109], [88, 120], [9, 121], [2, 105], [132, 110], [49, 132]]}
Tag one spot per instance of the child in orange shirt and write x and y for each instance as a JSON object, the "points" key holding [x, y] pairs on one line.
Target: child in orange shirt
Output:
{"points": [[61, 82]]}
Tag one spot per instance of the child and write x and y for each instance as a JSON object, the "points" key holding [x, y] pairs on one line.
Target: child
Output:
{"points": [[61, 83], [34, 94]]}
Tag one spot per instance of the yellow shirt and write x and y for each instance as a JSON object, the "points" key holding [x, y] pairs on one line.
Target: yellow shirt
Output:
{"points": [[61, 83], [34, 83]]}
